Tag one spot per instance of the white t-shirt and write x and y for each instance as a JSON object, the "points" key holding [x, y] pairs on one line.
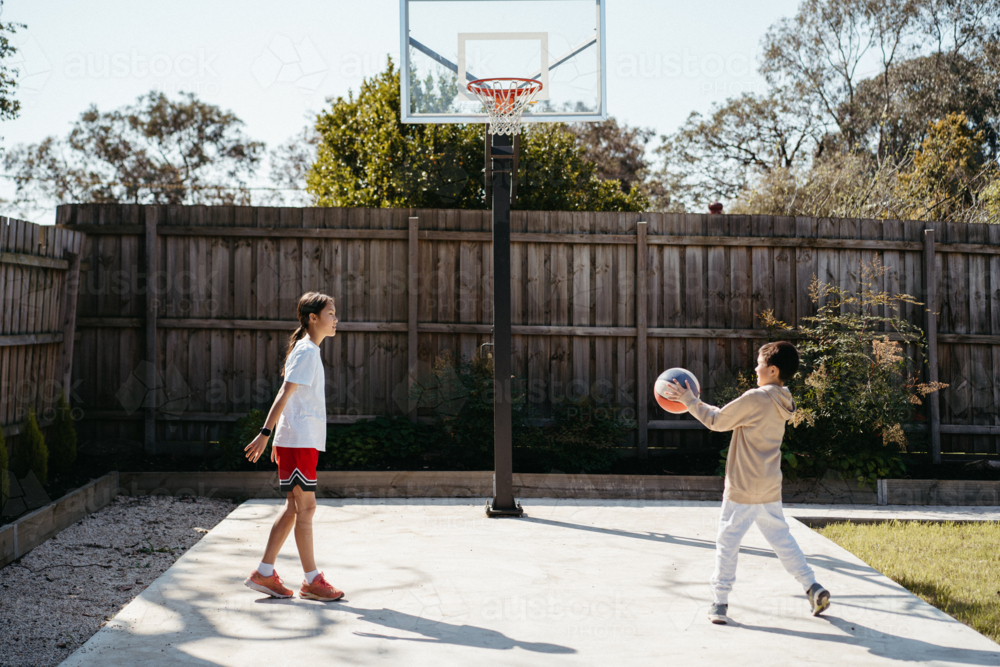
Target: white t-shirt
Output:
{"points": [[303, 421]]}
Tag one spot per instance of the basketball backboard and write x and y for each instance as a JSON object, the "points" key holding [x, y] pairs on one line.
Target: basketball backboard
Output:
{"points": [[445, 44]]}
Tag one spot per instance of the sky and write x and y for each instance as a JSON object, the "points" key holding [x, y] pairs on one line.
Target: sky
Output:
{"points": [[275, 64]]}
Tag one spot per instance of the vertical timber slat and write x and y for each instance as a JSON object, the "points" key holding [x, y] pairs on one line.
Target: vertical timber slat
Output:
{"points": [[151, 303], [932, 352], [413, 292], [641, 391]]}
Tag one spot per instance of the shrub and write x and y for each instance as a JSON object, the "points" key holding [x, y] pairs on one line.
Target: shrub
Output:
{"points": [[231, 453], [62, 438], [392, 442], [584, 437], [856, 388], [461, 397], [31, 454]]}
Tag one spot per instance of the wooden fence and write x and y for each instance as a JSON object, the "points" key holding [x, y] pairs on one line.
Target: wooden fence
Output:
{"points": [[39, 275], [223, 284]]}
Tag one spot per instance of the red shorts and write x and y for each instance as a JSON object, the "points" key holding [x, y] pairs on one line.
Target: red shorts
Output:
{"points": [[296, 467]]}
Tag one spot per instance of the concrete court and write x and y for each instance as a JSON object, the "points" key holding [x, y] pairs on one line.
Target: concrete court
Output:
{"points": [[576, 582]]}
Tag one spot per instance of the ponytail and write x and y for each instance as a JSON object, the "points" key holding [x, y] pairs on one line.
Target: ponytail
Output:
{"points": [[309, 303]]}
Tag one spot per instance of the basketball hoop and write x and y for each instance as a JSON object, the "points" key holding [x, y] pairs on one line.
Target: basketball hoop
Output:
{"points": [[505, 98]]}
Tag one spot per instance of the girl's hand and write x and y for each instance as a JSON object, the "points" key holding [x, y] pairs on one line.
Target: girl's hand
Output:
{"points": [[256, 448]]}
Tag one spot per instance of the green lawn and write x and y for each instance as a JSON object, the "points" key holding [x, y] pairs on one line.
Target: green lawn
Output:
{"points": [[955, 567]]}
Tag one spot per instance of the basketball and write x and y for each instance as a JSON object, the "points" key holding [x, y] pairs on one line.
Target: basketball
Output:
{"points": [[681, 375]]}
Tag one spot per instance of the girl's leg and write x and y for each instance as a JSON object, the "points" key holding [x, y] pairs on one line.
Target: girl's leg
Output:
{"points": [[305, 508], [282, 527]]}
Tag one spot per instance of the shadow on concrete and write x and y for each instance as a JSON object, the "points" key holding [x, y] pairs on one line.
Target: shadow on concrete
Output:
{"points": [[820, 561], [439, 632], [886, 645], [655, 537]]}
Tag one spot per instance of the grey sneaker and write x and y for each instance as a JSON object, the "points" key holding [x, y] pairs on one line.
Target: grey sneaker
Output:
{"points": [[819, 599], [717, 614]]}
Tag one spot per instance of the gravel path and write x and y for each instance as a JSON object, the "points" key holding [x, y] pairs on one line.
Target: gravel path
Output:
{"points": [[63, 591]]}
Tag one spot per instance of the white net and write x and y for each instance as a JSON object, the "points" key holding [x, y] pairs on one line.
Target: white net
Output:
{"points": [[504, 100]]}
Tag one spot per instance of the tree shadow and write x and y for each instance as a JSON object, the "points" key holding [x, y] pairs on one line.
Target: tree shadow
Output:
{"points": [[821, 561], [886, 645], [655, 537], [439, 632]]}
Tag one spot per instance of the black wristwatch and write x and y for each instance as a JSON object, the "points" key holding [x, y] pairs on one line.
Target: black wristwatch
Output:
{"points": [[266, 431]]}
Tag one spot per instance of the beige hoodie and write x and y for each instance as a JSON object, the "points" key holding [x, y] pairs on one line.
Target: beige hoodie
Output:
{"points": [[757, 420]]}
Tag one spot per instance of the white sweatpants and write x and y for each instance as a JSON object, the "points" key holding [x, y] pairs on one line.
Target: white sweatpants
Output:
{"points": [[734, 522]]}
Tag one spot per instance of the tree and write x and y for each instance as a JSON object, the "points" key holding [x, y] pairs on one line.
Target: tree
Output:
{"points": [[946, 171], [717, 157], [367, 157], [10, 108], [817, 55], [931, 58], [926, 89], [618, 151], [289, 169], [157, 151], [946, 179]]}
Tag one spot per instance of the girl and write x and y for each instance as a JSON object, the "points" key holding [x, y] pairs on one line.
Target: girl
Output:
{"points": [[300, 436]]}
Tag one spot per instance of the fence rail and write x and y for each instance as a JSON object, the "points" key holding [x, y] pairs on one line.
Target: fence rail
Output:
{"points": [[599, 299], [39, 275]]}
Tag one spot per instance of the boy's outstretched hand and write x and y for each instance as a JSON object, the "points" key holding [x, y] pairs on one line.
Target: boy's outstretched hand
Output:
{"points": [[675, 392], [257, 447]]}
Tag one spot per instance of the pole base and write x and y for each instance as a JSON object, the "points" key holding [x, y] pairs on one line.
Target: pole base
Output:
{"points": [[516, 511]]}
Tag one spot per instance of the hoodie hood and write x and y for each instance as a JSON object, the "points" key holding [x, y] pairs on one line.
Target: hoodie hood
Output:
{"points": [[782, 399]]}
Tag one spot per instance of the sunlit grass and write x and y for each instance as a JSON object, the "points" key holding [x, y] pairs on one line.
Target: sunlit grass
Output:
{"points": [[953, 566]]}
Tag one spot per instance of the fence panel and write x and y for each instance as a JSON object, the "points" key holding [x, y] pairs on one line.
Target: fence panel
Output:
{"points": [[231, 276], [39, 278]]}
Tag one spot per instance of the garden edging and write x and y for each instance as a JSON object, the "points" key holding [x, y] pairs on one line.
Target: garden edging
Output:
{"points": [[23, 535], [479, 484]]}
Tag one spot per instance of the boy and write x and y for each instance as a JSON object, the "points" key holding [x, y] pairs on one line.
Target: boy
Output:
{"points": [[753, 474]]}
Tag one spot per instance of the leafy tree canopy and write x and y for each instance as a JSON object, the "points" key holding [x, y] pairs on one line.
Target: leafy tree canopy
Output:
{"points": [[9, 107], [366, 157], [156, 151]]}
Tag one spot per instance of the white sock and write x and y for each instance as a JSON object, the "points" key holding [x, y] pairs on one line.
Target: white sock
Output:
{"points": [[311, 575], [265, 569]]}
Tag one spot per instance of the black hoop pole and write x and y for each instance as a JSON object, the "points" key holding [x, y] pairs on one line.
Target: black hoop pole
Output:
{"points": [[503, 503]]}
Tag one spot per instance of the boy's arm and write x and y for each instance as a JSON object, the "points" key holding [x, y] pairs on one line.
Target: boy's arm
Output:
{"points": [[731, 415]]}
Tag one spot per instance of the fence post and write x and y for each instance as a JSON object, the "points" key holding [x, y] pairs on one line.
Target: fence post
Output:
{"points": [[70, 295], [413, 291], [152, 269], [641, 399], [930, 279]]}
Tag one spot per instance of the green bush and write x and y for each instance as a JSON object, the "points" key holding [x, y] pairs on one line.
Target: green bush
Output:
{"points": [[62, 438], [3, 451], [584, 437], [462, 394], [231, 452], [31, 454], [855, 390], [384, 442]]}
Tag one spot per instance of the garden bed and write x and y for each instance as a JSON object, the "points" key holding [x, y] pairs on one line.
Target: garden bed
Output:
{"points": [[63, 591]]}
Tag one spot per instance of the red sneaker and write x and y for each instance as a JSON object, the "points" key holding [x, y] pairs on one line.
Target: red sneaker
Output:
{"points": [[320, 589], [272, 585]]}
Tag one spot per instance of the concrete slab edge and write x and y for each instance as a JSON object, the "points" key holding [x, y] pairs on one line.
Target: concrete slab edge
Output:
{"points": [[26, 533], [479, 484]]}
